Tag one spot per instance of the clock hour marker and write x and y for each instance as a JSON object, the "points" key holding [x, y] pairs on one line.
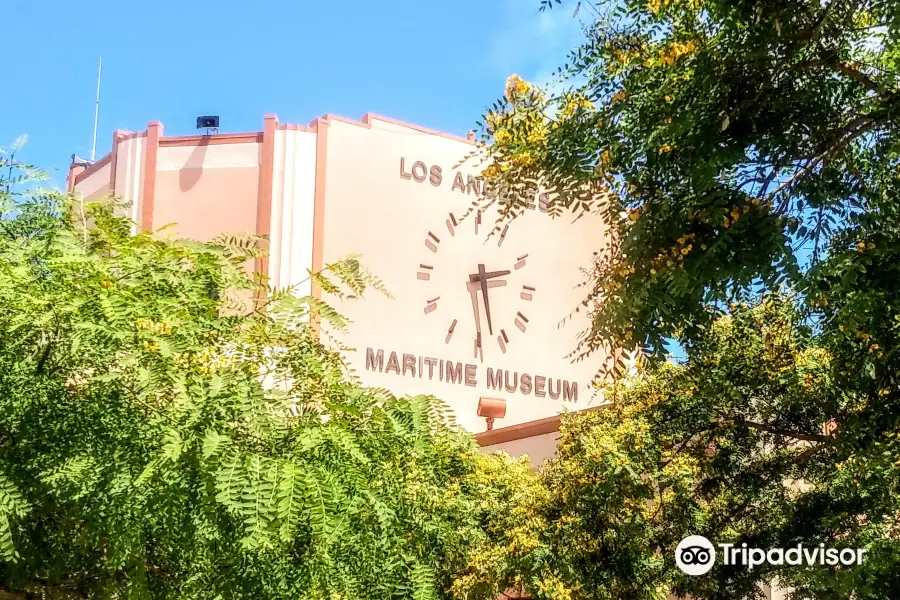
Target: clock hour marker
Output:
{"points": [[502, 339], [450, 332], [451, 224], [502, 236], [520, 321], [527, 292], [477, 221], [424, 274], [432, 242], [431, 305], [479, 353], [520, 262]]}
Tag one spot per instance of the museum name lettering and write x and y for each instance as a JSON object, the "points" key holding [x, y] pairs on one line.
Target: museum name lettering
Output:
{"points": [[420, 172], [409, 365]]}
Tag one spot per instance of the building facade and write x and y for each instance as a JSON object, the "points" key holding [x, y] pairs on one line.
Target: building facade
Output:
{"points": [[485, 318]]}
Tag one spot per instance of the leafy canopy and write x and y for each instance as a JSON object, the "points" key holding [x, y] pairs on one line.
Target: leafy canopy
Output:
{"points": [[727, 143], [163, 435], [740, 151], [729, 445]]}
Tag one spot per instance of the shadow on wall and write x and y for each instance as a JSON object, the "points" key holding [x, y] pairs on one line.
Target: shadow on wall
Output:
{"points": [[190, 174]]}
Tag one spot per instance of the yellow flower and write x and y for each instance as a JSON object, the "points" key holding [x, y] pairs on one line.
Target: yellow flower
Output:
{"points": [[676, 50], [525, 160], [621, 96], [516, 87], [665, 148], [491, 172], [668, 98], [575, 102], [536, 136], [503, 136], [860, 246]]}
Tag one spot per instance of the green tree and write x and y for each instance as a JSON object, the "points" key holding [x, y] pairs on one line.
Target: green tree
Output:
{"points": [[723, 140], [729, 445], [737, 149], [163, 436]]}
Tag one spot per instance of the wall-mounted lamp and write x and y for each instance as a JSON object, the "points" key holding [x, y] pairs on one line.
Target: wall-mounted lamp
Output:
{"points": [[491, 408]]}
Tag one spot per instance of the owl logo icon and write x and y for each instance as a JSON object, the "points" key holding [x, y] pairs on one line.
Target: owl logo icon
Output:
{"points": [[695, 555]]}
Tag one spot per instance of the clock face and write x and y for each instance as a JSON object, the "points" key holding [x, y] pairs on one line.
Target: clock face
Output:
{"points": [[490, 287]]}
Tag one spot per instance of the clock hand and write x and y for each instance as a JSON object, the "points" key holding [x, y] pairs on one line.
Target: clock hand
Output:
{"points": [[483, 277], [473, 292], [484, 294]]}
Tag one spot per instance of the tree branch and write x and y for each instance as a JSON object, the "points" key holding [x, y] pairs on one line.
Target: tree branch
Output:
{"points": [[856, 128], [44, 356], [806, 437], [856, 74]]}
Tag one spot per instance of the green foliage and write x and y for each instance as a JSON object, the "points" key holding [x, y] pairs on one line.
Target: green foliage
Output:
{"points": [[740, 151], [168, 430], [726, 142], [731, 445]]}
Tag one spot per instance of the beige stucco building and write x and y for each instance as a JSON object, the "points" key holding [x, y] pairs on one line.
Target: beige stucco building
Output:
{"points": [[475, 316]]}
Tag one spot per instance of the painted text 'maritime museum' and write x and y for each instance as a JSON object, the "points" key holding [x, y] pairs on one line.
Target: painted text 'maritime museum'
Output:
{"points": [[474, 319]]}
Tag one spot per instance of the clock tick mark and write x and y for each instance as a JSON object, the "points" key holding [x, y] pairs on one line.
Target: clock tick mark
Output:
{"points": [[527, 292], [424, 274], [502, 236], [431, 243], [431, 305], [450, 332], [503, 340], [520, 321], [451, 224], [520, 262]]}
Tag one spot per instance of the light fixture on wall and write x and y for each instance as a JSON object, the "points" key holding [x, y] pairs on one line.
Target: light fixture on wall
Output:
{"points": [[209, 122], [491, 408]]}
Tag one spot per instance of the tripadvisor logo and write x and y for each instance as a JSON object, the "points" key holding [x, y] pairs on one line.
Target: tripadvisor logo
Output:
{"points": [[695, 555]]}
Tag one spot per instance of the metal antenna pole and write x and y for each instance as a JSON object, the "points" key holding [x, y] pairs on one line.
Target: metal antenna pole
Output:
{"points": [[96, 110]]}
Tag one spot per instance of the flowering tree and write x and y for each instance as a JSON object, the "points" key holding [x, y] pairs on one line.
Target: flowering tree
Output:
{"points": [[738, 149], [162, 436], [724, 141], [729, 445]]}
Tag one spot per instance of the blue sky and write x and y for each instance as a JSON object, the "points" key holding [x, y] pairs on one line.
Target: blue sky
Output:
{"points": [[435, 63]]}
